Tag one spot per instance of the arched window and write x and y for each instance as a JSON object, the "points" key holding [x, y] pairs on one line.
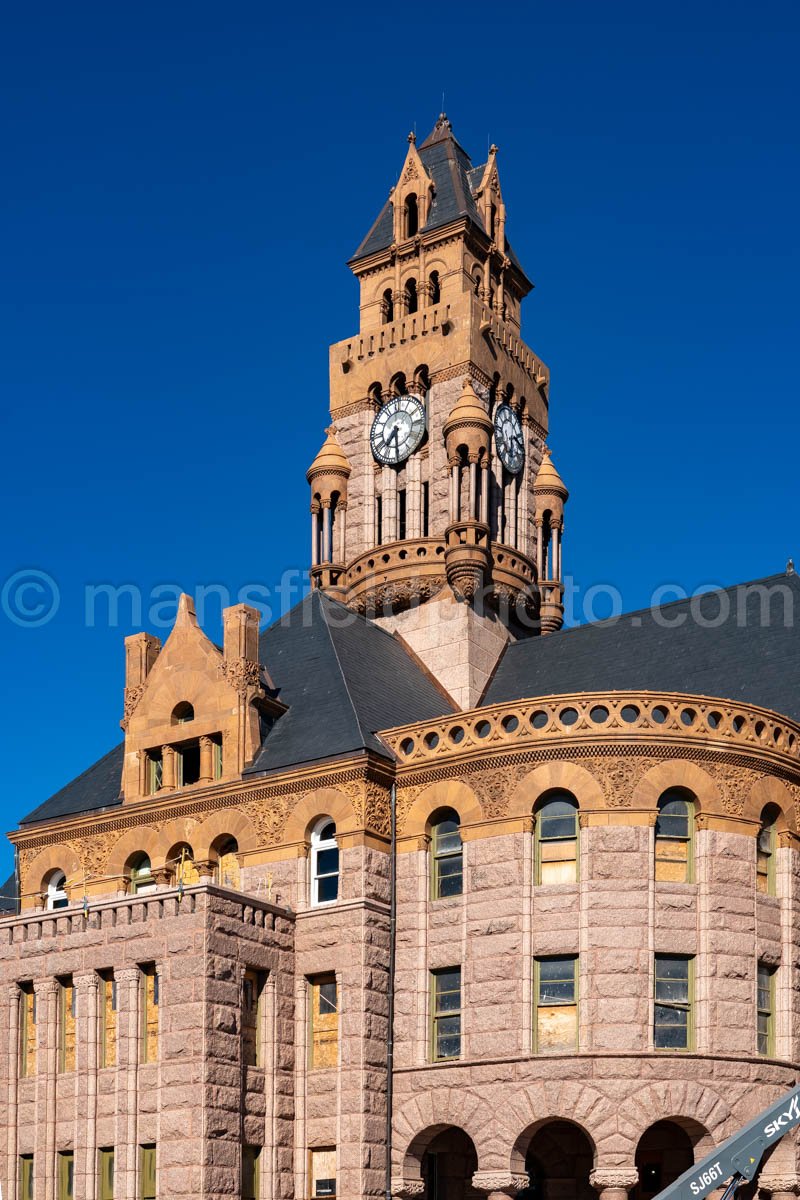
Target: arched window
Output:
{"points": [[435, 287], [477, 281], [412, 215], [181, 859], [57, 891], [765, 852], [182, 713], [412, 300], [387, 306], [324, 863], [141, 874], [446, 855], [557, 839], [674, 828], [228, 873]]}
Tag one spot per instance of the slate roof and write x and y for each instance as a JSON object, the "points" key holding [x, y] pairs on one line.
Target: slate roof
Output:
{"points": [[454, 179], [97, 788], [8, 895], [343, 678], [679, 647]]}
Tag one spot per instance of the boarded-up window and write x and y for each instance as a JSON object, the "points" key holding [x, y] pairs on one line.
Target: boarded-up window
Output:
{"points": [[26, 1177], [674, 838], [672, 1025], [105, 1174], [108, 1021], [252, 988], [147, 1172], [766, 1010], [184, 869], [27, 1029], [228, 873], [324, 1022], [250, 1172], [150, 1000], [323, 1173], [446, 1013], [66, 1176], [66, 1026], [557, 839], [556, 1004]]}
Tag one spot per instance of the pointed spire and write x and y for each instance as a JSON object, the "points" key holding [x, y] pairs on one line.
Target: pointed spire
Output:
{"points": [[331, 459], [548, 478], [186, 611]]}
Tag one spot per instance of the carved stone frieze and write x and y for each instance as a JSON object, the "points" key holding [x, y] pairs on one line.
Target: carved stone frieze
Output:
{"points": [[619, 777], [242, 674], [131, 700]]}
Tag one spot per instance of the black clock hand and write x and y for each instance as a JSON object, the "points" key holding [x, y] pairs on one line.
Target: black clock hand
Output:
{"points": [[394, 434]]}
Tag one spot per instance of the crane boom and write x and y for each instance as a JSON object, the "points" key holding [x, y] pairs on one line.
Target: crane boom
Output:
{"points": [[738, 1158]]}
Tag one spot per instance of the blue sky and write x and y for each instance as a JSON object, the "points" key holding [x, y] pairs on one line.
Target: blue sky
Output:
{"points": [[182, 187]]}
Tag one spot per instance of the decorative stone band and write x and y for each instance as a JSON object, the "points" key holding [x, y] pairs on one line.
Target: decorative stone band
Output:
{"points": [[500, 1182], [614, 1179], [596, 716], [774, 1184], [407, 1189]]}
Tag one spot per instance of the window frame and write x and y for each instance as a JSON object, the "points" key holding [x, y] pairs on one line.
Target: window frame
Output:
{"points": [[149, 1038], [438, 1014], [667, 796], [57, 896], [314, 1195], [541, 805], [147, 1154], [316, 983], [687, 1006], [108, 1036], [438, 856], [25, 1178], [320, 846], [27, 1031], [769, 1033], [65, 1175], [257, 979], [67, 1022], [251, 1154], [574, 1003], [768, 826], [106, 1167]]}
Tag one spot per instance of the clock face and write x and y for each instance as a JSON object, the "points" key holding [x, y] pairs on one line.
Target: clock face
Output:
{"points": [[397, 430], [508, 439]]}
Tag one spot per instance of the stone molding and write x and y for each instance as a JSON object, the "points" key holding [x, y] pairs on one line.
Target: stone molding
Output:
{"points": [[779, 1183], [408, 1189], [616, 1178], [498, 1181]]}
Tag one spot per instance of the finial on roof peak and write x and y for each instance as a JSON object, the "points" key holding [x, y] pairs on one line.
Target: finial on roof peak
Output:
{"points": [[412, 137], [790, 567], [493, 149]]}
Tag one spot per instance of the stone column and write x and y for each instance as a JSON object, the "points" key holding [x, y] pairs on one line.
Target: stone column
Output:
{"points": [[326, 531], [498, 1185], [206, 759], [10, 1038], [314, 534], [168, 768], [300, 1081], [46, 991], [613, 1183], [484, 513], [128, 982], [86, 1031], [341, 518]]}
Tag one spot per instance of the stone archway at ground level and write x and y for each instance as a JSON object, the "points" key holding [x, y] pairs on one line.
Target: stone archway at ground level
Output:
{"points": [[439, 1165], [558, 1159], [664, 1152]]}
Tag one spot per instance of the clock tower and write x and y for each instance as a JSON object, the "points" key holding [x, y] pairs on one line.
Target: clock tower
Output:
{"points": [[436, 510]]}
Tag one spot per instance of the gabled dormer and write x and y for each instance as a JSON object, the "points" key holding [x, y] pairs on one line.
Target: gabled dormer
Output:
{"points": [[194, 713], [412, 196]]}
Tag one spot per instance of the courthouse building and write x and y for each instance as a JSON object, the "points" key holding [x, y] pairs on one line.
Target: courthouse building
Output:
{"points": [[418, 892]]}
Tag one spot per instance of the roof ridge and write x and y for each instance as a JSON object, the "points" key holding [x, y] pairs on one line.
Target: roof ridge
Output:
{"points": [[648, 608], [364, 733]]}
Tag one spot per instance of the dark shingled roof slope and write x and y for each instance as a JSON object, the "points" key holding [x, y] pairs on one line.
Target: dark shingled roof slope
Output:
{"points": [[8, 896], [343, 679], [680, 647], [454, 179], [96, 788]]}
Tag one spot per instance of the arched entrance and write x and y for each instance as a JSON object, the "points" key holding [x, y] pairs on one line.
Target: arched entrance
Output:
{"points": [[558, 1160], [664, 1152], [446, 1159]]}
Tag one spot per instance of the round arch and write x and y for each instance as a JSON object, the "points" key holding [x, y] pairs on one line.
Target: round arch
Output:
{"points": [[677, 773], [424, 1117], [53, 858], [450, 793], [324, 802], [181, 829], [769, 790], [144, 839], [227, 822], [557, 776], [697, 1109]]}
